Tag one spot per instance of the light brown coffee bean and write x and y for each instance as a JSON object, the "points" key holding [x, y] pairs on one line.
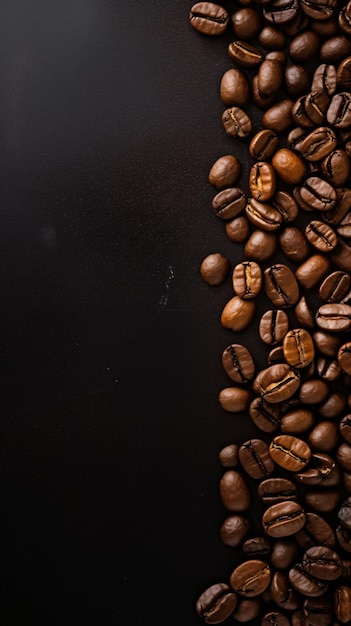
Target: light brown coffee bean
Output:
{"points": [[298, 348], [238, 313], [291, 453], [251, 578], [234, 399], [247, 279], [234, 492]]}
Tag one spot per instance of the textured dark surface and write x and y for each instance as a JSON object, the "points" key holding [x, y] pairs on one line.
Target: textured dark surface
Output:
{"points": [[111, 341]]}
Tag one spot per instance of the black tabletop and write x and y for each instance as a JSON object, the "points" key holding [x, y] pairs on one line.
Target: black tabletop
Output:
{"points": [[111, 341]]}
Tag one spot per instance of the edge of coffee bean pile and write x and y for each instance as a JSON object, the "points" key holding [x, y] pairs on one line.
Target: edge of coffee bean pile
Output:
{"points": [[290, 218]]}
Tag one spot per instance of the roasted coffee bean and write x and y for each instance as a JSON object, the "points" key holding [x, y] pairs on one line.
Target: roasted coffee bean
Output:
{"points": [[273, 326], [284, 553], [297, 80], [283, 519], [276, 355], [228, 456], [328, 369], [343, 535], [289, 166], [312, 270], [225, 171], [338, 212], [316, 105], [303, 46], [238, 363], [318, 611], [282, 593], [303, 313], [285, 203], [344, 357], [217, 602], [234, 529], [317, 144], [281, 286], [244, 54], [291, 453], [234, 492], [324, 79], [278, 382], [228, 203], [262, 181], [344, 227], [297, 421], [275, 618], [299, 113], [343, 456], [279, 116], [238, 229], [263, 145], [271, 38], [336, 167], [294, 244], [261, 245], [263, 215], [342, 603], [234, 88], [236, 122], [315, 532], [255, 459], [215, 268], [325, 28], [313, 391], [246, 23], [209, 18], [247, 279], [322, 562], [238, 313], [256, 547], [234, 399], [345, 427], [341, 255], [298, 348], [266, 416], [334, 317], [335, 49], [247, 609], [281, 13], [318, 194], [323, 501], [269, 77], [321, 236], [327, 343], [318, 471], [339, 110], [343, 74], [260, 101], [274, 490], [251, 578], [305, 584], [335, 286]]}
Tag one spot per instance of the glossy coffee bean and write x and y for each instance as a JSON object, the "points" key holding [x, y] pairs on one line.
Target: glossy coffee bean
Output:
{"points": [[280, 285], [324, 436], [273, 326], [344, 357], [278, 382], [209, 18], [290, 452], [298, 348], [274, 490], [263, 145], [236, 122], [238, 363], [281, 13], [315, 532], [343, 535], [303, 46], [234, 492], [244, 54], [214, 268], [297, 80], [335, 286], [261, 245], [342, 603], [343, 456], [305, 584], [313, 391], [324, 79], [229, 202], [282, 593], [258, 100], [321, 470], [251, 578], [262, 181], [246, 23], [228, 456], [296, 421], [237, 314], [318, 194], [265, 415], [255, 459], [284, 553], [262, 215], [335, 49], [256, 547], [327, 343], [321, 236], [247, 609], [234, 88], [279, 116], [318, 611], [274, 618], [271, 38], [286, 205], [336, 167], [343, 74], [269, 77], [333, 406], [234, 529], [238, 229], [312, 270], [234, 399], [334, 317], [283, 519], [247, 279], [225, 171], [317, 144], [216, 603], [339, 110], [322, 501], [322, 563], [328, 369], [289, 166]]}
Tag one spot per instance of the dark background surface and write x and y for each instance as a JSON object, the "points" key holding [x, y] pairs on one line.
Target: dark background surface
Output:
{"points": [[110, 340]]}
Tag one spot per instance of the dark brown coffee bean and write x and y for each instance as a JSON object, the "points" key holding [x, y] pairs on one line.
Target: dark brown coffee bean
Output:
{"points": [[334, 317], [328, 344], [317, 144], [318, 611], [316, 106], [283, 519], [269, 77], [234, 492], [335, 49], [303, 313], [234, 88], [284, 553], [257, 547], [342, 603], [225, 171], [343, 456], [280, 285], [324, 436], [281, 13], [345, 427], [318, 194], [255, 459], [261, 245], [271, 38], [262, 181], [341, 208], [336, 167], [305, 584], [274, 490], [297, 80], [299, 113], [238, 229], [298, 348], [278, 383], [335, 286], [341, 255], [273, 326], [339, 110], [238, 313], [236, 122], [247, 609], [228, 456], [246, 23], [320, 471], [282, 593], [266, 416], [344, 227], [313, 391], [343, 74], [343, 535], [297, 421], [234, 529], [289, 166], [238, 363], [209, 18], [312, 270], [315, 532], [323, 501], [251, 578], [274, 618], [215, 268], [263, 145], [286, 205], [333, 406], [324, 79], [304, 46], [234, 399], [244, 54], [325, 28], [321, 236], [247, 279], [228, 203], [344, 357], [260, 101], [217, 602], [279, 116], [328, 369], [289, 452]]}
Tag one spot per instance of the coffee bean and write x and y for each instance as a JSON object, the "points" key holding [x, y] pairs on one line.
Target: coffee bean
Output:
{"points": [[339, 110], [263, 145], [336, 167], [228, 456], [260, 101], [234, 529], [318, 611], [261, 245], [318, 194], [216, 603], [255, 459], [275, 618], [316, 106], [262, 181], [297, 421], [263, 215], [238, 313], [228, 203], [281, 13], [344, 227], [256, 547], [297, 80], [324, 79], [266, 416], [247, 609], [279, 116], [315, 532], [341, 208], [246, 23], [234, 492], [234, 399], [305, 584], [247, 279], [298, 348], [344, 357], [238, 229], [234, 88], [343, 535], [321, 236], [283, 519], [273, 326], [341, 255], [343, 456], [225, 171], [209, 18], [312, 270], [327, 343], [274, 490], [345, 427], [271, 38], [323, 501], [289, 166], [335, 286], [344, 19], [303, 313], [335, 49], [317, 144], [334, 317], [236, 122], [282, 593], [313, 391], [244, 54], [269, 77], [343, 74], [281, 285], [238, 363], [286, 205], [328, 369], [342, 603], [291, 453], [214, 268], [284, 553], [251, 578]]}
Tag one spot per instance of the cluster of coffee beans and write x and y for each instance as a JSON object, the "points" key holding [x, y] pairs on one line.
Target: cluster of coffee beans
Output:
{"points": [[291, 61]]}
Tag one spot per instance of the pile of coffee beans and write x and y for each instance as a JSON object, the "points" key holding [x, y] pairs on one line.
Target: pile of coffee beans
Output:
{"points": [[290, 60]]}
